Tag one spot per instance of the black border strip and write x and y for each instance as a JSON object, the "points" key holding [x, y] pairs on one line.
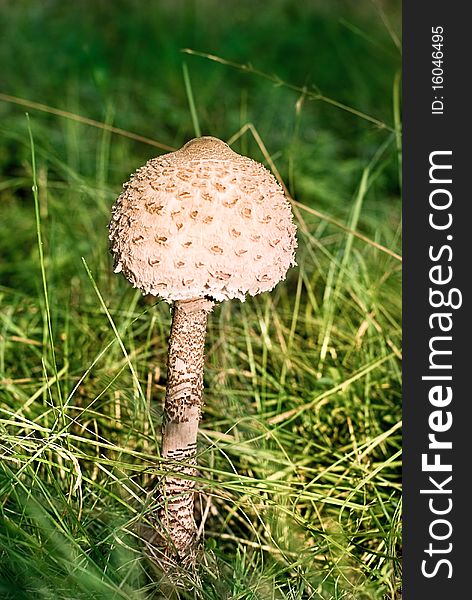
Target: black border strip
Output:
{"points": [[437, 396]]}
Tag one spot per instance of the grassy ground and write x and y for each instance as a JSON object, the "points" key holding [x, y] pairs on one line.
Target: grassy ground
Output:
{"points": [[300, 443]]}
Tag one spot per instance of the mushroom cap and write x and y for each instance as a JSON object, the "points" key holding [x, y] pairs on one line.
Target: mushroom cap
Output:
{"points": [[202, 222]]}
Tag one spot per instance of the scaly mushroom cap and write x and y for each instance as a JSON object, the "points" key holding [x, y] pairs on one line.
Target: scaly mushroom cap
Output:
{"points": [[202, 221]]}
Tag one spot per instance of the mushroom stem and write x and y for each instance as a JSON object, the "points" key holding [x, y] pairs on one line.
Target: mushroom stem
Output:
{"points": [[182, 413]]}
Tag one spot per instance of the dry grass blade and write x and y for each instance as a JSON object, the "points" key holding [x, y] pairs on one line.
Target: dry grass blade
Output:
{"points": [[248, 68], [84, 120]]}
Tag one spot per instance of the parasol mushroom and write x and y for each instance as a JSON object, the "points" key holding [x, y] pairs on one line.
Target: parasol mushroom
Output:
{"points": [[195, 226]]}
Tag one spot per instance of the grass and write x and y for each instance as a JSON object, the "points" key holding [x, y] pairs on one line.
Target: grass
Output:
{"points": [[299, 449]]}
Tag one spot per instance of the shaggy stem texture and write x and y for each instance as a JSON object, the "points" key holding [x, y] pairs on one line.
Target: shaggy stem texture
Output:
{"points": [[182, 413]]}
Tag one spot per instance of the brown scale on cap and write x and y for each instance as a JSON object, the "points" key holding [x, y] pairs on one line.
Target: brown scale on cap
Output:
{"points": [[203, 205]]}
